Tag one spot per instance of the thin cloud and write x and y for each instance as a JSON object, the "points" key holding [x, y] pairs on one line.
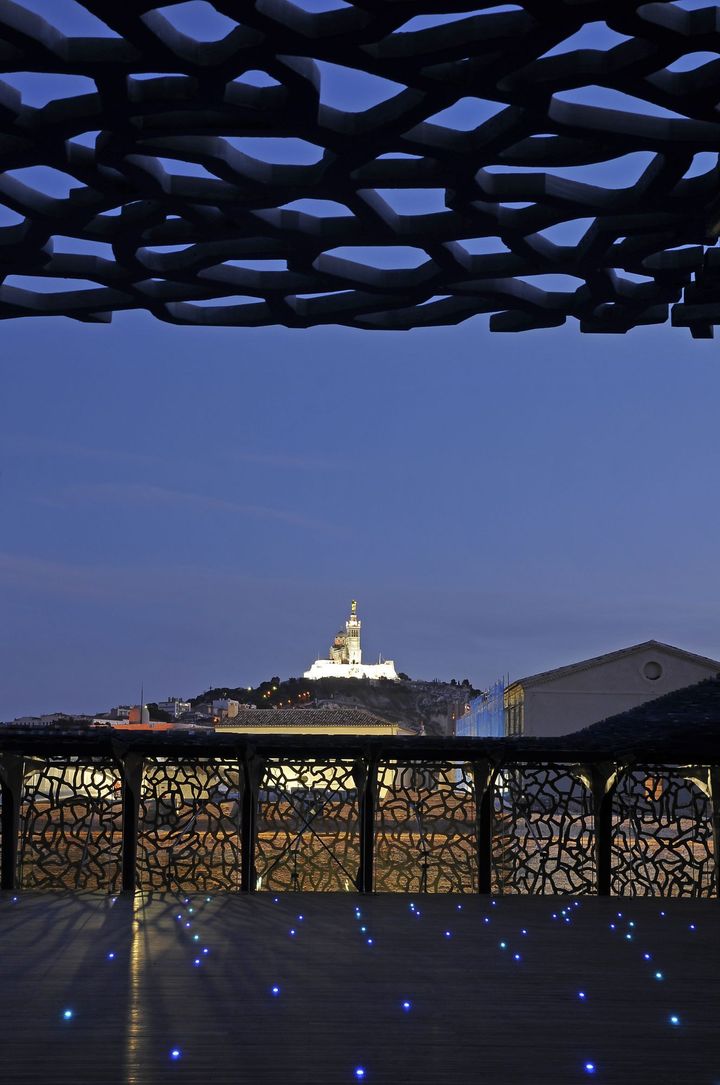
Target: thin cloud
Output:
{"points": [[138, 494], [300, 463], [71, 449], [43, 575], [120, 586], [114, 454], [117, 454]]}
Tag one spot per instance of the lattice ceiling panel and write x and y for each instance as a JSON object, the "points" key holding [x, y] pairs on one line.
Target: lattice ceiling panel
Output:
{"points": [[374, 163]]}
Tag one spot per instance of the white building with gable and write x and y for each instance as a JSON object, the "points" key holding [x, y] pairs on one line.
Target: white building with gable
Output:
{"points": [[346, 656], [567, 699]]}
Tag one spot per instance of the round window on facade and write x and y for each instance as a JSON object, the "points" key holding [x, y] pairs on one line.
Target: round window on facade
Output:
{"points": [[652, 670]]}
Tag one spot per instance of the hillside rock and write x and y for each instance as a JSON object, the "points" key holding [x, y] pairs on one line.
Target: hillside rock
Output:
{"points": [[420, 707]]}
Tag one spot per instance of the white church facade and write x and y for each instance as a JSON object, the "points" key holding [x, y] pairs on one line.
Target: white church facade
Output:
{"points": [[346, 656]]}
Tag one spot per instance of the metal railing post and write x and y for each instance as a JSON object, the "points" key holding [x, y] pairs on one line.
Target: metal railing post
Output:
{"points": [[484, 774], [366, 781], [132, 770], [252, 769], [12, 770], [715, 800], [603, 778]]}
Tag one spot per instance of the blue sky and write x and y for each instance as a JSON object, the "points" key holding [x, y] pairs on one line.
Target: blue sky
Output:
{"points": [[197, 506]]}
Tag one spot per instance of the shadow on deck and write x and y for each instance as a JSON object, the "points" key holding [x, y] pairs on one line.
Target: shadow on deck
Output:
{"points": [[477, 1013]]}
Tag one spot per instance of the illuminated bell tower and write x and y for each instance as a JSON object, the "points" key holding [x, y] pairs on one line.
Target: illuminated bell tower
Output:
{"points": [[352, 636]]}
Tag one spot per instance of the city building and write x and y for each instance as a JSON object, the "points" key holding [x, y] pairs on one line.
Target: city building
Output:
{"points": [[563, 700], [174, 706], [225, 708], [120, 712], [345, 657], [310, 719], [484, 715], [50, 719], [313, 720], [138, 720]]}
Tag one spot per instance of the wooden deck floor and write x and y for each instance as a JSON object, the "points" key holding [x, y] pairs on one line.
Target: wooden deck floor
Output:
{"points": [[477, 1015]]}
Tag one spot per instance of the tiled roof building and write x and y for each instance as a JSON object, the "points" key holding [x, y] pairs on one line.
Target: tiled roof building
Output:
{"points": [[323, 719]]}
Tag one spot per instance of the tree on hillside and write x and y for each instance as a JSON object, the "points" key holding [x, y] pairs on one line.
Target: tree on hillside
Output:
{"points": [[158, 714]]}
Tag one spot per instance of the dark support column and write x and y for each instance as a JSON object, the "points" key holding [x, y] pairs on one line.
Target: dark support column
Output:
{"points": [[252, 769], [368, 799], [483, 780], [603, 846], [132, 767], [715, 799], [11, 780], [602, 789]]}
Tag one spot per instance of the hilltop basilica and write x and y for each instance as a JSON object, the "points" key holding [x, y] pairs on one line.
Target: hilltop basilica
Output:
{"points": [[346, 656]]}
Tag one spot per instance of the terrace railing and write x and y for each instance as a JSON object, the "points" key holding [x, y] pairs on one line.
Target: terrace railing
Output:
{"points": [[207, 812]]}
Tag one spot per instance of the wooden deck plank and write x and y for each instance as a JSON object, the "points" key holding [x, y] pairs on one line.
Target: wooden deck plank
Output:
{"points": [[477, 1015]]}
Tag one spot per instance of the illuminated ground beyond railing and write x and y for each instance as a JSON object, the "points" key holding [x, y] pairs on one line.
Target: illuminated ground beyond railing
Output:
{"points": [[227, 812]]}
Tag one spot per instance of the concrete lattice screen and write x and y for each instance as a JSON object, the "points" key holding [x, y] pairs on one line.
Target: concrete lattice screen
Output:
{"points": [[319, 814], [363, 163]]}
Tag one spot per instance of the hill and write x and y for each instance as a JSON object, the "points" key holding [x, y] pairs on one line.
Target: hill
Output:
{"points": [[422, 707]]}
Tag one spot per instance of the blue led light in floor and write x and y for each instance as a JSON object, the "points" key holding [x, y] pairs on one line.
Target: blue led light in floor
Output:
{"points": [[68, 1014], [175, 1054]]}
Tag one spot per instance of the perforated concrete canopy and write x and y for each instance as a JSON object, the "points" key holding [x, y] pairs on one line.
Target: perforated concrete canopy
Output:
{"points": [[381, 163]]}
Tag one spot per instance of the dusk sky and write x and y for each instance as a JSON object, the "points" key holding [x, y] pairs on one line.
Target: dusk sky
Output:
{"points": [[194, 507]]}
